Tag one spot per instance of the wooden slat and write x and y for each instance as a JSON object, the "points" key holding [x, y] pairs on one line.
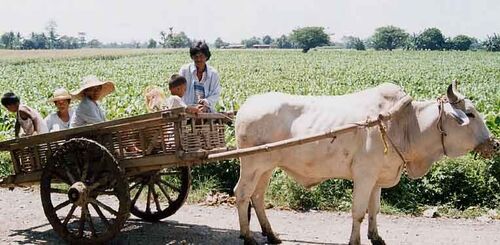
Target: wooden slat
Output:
{"points": [[120, 144], [209, 116], [171, 115], [163, 138], [149, 161], [37, 161], [21, 179], [15, 162]]}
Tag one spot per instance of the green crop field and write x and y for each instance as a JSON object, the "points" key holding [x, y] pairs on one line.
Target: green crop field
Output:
{"points": [[424, 75]]}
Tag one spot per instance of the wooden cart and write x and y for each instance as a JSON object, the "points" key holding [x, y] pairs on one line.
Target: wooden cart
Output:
{"points": [[91, 178]]}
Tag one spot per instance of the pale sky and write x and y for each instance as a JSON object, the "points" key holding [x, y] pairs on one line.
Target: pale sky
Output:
{"points": [[233, 20]]}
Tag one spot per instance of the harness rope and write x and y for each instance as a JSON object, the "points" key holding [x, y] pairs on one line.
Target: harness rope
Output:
{"points": [[441, 101], [385, 136]]}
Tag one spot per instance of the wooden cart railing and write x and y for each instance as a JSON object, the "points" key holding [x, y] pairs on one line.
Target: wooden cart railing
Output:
{"points": [[164, 139]]}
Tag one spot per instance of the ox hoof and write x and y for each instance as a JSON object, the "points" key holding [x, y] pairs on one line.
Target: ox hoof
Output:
{"points": [[249, 241], [272, 239], [378, 241]]}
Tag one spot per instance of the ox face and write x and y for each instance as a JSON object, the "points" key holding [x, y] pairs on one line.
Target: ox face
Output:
{"points": [[464, 126]]}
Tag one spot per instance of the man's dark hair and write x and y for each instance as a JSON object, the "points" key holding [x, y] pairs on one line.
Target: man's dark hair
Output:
{"points": [[9, 98], [200, 47], [176, 81]]}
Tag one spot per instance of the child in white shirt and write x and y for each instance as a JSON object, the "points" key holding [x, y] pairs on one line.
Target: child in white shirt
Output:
{"points": [[60, 119]]}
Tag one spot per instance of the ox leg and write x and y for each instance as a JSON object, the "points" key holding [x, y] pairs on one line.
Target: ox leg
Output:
{"points": [[258, 203], [249, 177], [361, 196], [373, 210]]}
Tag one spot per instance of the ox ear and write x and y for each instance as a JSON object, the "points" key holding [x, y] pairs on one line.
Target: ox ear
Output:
{"points": [[452, 93], [457, 114]]}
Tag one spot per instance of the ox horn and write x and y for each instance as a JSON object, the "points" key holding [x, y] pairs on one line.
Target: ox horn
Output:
{"points": [[453, 95]]}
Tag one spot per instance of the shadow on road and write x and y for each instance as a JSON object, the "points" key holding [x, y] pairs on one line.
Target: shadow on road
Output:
{"points": [[137, 231]]}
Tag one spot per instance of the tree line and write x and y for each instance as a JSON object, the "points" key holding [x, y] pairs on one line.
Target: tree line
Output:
{"points": [[384, 38], [392, 37]]}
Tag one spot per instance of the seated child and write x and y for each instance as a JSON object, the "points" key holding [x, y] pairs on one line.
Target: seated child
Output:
{"points": [[157, 101], [27, 118], [177, 87], [60, 119], [88, 111]]}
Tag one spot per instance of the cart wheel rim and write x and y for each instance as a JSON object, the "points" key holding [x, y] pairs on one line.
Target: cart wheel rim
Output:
{"points": [[158, 195], [84, 193]]}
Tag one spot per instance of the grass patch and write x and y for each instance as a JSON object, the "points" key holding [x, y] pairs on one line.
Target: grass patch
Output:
{"points": [[5, 164], [200, 189]]}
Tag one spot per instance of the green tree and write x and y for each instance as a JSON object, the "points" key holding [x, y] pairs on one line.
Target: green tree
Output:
{"points": [[267, 40], [219, 43], [462, 42], [250, 42], [52, 40], [36, 41], [7, 40], [283, 42], [174, 40], [94, 43], [353, 43], [431, 39], [17, 41], [163, 39], [307, 38], [492, 43], [82, 36], [67, 42], [389, 38], [152, 43], [178, 40]]}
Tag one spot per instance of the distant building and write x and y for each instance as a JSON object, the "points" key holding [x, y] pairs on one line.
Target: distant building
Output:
{"points": [[234, 46], [261, 46]]}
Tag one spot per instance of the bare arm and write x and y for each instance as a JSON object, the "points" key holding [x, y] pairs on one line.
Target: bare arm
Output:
{"points": [[27, 115], [17, 128]]}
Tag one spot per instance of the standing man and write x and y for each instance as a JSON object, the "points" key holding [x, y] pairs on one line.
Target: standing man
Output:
{"points": [[203, 87]]}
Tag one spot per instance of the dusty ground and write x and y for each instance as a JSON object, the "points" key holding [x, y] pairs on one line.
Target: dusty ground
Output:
{"points": [[23, 222]]}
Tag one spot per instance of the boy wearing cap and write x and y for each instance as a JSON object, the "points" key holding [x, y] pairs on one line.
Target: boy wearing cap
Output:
{"points": [[60, 120], [88, 111], [27, 118]]}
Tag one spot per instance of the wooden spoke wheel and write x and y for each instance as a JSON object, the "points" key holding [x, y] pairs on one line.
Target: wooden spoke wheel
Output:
{"points": [[157, 195], [84, 193]]}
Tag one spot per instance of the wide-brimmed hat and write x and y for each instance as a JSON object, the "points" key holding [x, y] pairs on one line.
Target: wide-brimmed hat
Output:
{"points": [[93, 81], [60, 94]]}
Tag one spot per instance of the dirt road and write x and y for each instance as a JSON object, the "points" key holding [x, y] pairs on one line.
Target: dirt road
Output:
{"points": [[23, 222]]}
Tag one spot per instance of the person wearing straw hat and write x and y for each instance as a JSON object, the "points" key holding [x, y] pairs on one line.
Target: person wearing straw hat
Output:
{"points": [[88, 111], [60, 120], [27, 118]]}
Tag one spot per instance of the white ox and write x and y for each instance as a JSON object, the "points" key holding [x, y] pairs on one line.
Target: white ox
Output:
{"points": [[357, 155]]}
